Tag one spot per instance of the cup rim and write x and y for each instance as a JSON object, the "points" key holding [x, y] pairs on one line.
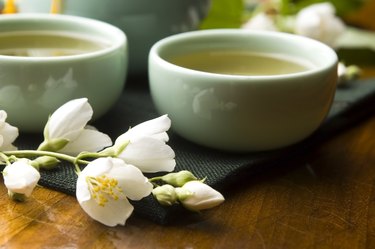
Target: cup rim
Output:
{"points": [[155, 49], [60, 18]]}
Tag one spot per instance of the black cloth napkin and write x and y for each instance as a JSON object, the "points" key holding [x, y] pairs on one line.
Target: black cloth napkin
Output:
{"points": [[353, 102]]}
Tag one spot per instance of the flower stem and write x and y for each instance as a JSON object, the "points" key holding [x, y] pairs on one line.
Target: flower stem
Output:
{"points": [[5, 158], [27, 153], [156, 178]]}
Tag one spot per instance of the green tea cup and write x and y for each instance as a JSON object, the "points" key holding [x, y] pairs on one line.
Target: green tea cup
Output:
{"points": [[32, 87], [242, 113]]}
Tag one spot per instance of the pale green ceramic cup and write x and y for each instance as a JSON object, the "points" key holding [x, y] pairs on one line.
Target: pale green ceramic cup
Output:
{"points": [[31, 88], [243, 113]]}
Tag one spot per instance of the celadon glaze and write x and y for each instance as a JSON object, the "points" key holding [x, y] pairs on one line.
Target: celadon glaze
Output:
{"points": [[31, 88], [243, 113]]}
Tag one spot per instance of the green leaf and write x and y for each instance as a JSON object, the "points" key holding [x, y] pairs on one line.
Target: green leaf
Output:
{"points": [[224, 14], [289, 7], [357, 46], [343, 7], [361, 57]]}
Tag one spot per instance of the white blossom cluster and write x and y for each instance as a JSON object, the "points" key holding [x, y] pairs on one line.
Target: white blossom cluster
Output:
{"points": [[114, 175], [316, 21]]}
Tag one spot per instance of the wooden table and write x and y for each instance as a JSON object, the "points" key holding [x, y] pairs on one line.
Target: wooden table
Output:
{"points": [[326, 199]]}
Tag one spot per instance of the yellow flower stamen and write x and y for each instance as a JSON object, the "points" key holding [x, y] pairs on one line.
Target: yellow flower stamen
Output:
{"points": [[103, 188]]}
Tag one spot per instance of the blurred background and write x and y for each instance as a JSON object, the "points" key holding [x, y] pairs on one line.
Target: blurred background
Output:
{"points": [[232, 13], [358, 39], [147, 21]]}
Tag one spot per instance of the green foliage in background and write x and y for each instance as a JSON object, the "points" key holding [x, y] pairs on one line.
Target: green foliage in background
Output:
{"points": [[343, 7], [224, 14], [232, 13]]}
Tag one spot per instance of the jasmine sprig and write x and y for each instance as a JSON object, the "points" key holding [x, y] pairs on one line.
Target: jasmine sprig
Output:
{"points": [[112, 173]]}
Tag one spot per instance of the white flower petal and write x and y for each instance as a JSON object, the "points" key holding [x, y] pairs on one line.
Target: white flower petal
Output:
{"points": [[155, 127], [149, 155], [8, 133], [69, 124], [148, 148], [3, 116], [112, 214], [70, 118], [88, 140], [155, 165], [321, 8], [163, 136], [96, 168], [1, 142], [103, 187], [318, 21], [82, 189], [261, 21], [134, 184], [308, 25]]}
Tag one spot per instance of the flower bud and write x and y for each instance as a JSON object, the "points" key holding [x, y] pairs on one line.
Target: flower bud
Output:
{"points": [[347, 73], [178, 179], [196, 196], [165, 194], [21, 177], [318, 21]]}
